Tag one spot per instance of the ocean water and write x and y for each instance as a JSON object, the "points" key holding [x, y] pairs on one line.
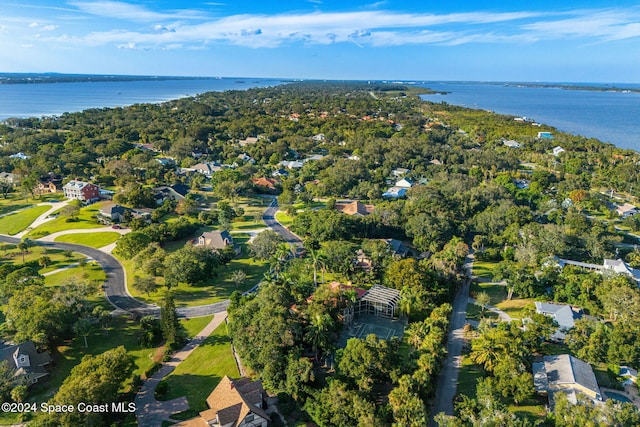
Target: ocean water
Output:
{"points": [[49, 99], [608, 116]]}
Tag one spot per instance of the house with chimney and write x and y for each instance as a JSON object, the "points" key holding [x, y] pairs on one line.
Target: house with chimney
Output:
{"points": [[86, 192]]}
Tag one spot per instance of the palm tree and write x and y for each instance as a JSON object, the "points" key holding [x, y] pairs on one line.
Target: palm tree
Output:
{"points": [[83, 328], [319, 332], [490, 347], [483, 299]]}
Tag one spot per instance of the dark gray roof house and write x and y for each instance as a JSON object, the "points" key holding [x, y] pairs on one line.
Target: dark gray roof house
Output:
{"points": [[28, 364], [563, 314], [566, 374], [217, 240]]}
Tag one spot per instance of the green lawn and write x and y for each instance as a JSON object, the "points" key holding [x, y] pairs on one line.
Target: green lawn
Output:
{"points": [[195, 325], [483, 270], [10, 254], [515, 307], [496, 291], [121, 332], [474, 312], [215, 289], [199, 374], [94, 240], [283, 218], [468, 377], [251, 219], [91, 273], [86, 219], [16, 222]]}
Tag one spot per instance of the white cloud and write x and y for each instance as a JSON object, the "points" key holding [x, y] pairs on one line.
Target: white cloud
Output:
{"points": [[383, 28], [49, 27], [131, 12], [34, 25]]}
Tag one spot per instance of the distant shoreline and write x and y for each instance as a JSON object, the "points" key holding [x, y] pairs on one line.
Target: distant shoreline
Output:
{"points": [[40, 78]]}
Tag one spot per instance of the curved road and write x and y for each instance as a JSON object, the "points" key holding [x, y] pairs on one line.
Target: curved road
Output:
{"points": [[116, 286], [269, 218]]}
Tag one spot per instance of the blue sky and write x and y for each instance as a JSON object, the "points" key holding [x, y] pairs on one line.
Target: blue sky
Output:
{"points": [[575, 41]]}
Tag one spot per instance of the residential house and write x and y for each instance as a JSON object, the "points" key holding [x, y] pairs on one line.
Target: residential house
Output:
{"points": [[563, 314], [404, 183], [293, 164], [205, 168], [354, 208], [248, 141], [564, 373], [28, 365], [394, 193], [20, 156], [397, 247], [9, 177], [363, 261], [318, 137], [511, 143], [618, 266], [264, 184], [115, 213], [246, 158], [399, 172], [174, 192], [80, 190], [233, 403], [165, 161], [313, 158], [279, 172], [558, 150], [216, 240], [50, 183], [626, 210]]}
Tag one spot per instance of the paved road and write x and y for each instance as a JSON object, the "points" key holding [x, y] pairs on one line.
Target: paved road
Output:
{"points": [[269, 218], [448, 380], [115, 285]]}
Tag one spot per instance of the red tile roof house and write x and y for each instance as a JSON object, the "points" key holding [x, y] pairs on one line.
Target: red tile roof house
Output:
{"points": [[233, 403], [80, 190], [354, 208]]}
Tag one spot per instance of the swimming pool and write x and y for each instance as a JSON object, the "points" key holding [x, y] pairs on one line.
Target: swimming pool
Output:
{"points": [[617, 396]]}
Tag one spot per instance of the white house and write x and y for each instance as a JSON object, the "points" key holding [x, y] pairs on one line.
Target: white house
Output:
{"points": [[394, 193], [626, 210], [558, 150], [511, 143], [563, 314], [404, 183]]}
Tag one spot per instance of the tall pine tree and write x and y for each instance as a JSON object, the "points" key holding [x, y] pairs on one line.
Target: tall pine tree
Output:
{"points": [[169, 321]]}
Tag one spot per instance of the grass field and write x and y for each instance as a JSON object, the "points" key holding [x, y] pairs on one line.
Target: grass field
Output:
{"points": [[215, 289], [515, 307], [94, 240], [121, 332], [91, 273], [483, 270], [283, 218], [468, 377], [16, 222], [199, 374], [195, 325], [474, 312], [496, 291], [86, 219]]}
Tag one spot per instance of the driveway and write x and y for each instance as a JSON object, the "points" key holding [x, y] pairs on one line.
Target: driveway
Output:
{"points": [[149, 411], [448, 380]]}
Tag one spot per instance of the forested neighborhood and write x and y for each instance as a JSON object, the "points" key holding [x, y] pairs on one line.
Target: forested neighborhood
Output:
{"points": [[333, 232]]}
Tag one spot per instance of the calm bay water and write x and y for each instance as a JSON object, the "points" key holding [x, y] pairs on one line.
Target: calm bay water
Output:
{"points": [[47, 99], [608, 116]]}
